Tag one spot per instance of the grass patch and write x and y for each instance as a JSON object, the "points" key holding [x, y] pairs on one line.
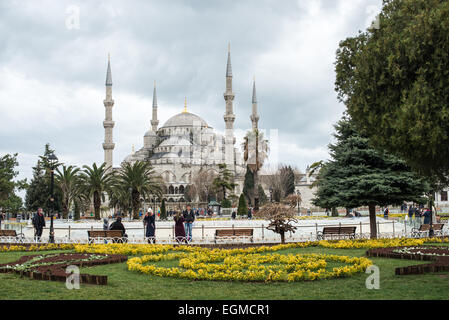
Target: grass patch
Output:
{"points": [[123, 284]]}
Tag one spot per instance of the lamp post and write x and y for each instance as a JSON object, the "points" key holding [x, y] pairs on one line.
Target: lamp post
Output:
{"points": [[131, 203], [431, 231], [298, 193], [53, 163], [271, 194]]}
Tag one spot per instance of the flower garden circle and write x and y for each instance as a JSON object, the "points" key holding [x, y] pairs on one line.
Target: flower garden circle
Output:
{"points": [[252, 267]]}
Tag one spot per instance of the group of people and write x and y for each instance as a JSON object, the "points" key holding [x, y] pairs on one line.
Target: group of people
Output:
{"points": [[183, 225], [422, 215], [250, 214]]}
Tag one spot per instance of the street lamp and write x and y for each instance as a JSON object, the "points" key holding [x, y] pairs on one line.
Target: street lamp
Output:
{"points": [[131, 204], [298, 193], [53, 160], [271, 194]]}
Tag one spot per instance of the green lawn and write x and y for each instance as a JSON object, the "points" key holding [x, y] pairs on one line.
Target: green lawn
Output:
{"points": [[123, 284]]}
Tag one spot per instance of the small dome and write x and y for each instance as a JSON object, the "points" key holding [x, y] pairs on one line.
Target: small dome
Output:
{"points": [[150, 133], [185, 119]]}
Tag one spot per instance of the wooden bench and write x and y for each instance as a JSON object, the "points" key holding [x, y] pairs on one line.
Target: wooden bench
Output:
{"points": [[10, 233], [233, 234], [115, 235], [337, 231], [424, 229]]}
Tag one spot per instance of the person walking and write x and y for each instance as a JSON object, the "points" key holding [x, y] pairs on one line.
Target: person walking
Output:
{"points": [[149, 221], [250, 213], [180, 232], [189, 217], [233, 215], [39, 224], [386, 212], [411, 211]]}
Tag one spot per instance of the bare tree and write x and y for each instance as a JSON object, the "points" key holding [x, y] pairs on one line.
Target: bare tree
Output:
{"points": [[202, 184], [281, 215]]}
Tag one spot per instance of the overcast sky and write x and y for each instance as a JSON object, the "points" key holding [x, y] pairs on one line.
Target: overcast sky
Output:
{"points": [[52, 71]]}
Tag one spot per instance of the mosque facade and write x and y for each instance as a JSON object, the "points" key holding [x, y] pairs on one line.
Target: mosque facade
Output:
{"points": [[185, 144]]}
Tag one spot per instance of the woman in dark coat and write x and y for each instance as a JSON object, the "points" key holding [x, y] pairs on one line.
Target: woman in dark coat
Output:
{"points": [[180, 232], [427, 216], [150, 222]]}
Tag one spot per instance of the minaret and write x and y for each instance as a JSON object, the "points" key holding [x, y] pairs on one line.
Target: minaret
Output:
{"points": [[254, 116], [229, 116], [108, 124], [154, 120]]}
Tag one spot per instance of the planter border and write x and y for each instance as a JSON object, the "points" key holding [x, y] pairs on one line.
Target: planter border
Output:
{"points": [[57, 271], [438, 264]]}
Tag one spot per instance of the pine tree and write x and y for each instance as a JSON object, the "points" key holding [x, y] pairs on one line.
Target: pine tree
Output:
{"points": [[358, 175], [288, 180], [248, 185], [225, 180], [38, 192], [262, 196], [242, 208], [9, 201]]}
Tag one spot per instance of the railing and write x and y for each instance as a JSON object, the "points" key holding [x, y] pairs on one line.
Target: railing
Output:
{"points": [[206, 234]]}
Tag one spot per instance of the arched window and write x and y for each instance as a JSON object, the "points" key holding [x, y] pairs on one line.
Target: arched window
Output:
{"points": [[181, 190], [171, 190]]}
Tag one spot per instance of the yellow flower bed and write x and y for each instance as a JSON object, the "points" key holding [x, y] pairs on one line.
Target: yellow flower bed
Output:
{"points": [[45, 247], [145, 249], [249, 267]]}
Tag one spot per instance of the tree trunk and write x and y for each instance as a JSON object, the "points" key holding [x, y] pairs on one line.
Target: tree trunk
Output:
{"points": [[77, 211], [372, 221], [282, 237], [334, 212], [97, 205], [65, 209], [431, 232], [136, 204]]}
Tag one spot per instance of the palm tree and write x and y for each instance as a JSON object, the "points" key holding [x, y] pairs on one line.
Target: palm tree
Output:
{"points": [[95, 181], [119, 198], [140, 180], [255, 149], [68, 182]]}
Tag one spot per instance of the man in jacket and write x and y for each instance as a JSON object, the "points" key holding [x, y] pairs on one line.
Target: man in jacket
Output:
{"points": [[38, 223], [189, 217], [118, 225]]}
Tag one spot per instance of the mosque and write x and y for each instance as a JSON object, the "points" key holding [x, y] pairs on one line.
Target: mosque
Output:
{"points": [[185, 144]]}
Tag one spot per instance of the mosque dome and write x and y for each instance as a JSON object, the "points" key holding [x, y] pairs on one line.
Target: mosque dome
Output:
{"points": [[150, 133], [185, 119]]}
